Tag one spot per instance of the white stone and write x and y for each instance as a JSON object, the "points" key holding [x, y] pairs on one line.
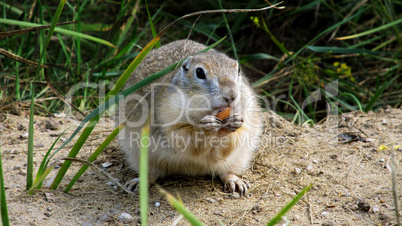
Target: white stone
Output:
{"points": [[107, 164], [126, 218]]}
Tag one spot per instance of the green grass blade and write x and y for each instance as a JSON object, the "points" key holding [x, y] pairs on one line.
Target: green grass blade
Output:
{"points": [[12, 8], [151, 24], [30, 141], [354, 98], [326, 31], [295, 102], [98, 112], [97, 152], [128, 25], [45, 162], [42, 176], [257, 56], [285, 209], [3, 200], [229, 32], [143, 174], [31, 114], [280, 45], [341, 50], [374, 30], [260, 81], [377, 94], [57, 29], [179, 206], [74, 151]]}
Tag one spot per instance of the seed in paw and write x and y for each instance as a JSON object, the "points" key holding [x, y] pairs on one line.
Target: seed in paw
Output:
{"points": [[224, 113]]}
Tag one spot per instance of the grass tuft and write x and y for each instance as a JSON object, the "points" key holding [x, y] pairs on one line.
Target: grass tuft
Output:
{"points": [[3, 201]]}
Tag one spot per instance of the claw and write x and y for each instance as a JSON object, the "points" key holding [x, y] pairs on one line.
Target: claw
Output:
{"points": [[234, 122], [232, 183], [211, 123], [132, 185]]}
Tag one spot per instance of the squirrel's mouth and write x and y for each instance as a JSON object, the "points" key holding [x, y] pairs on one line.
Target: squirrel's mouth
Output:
{"points": [[219, 109]]}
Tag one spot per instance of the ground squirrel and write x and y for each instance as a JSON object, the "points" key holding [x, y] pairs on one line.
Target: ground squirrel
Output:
{"points": [[187, 137]]}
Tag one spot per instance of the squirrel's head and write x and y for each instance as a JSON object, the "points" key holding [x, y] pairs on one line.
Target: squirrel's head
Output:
{"points": [[210, 82]]}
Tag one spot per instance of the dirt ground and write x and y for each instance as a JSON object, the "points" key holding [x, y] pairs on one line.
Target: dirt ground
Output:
{"points": [[341, 157]]}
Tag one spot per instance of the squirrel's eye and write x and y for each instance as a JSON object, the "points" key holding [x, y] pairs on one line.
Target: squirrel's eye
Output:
{"points": [[200, 73]]}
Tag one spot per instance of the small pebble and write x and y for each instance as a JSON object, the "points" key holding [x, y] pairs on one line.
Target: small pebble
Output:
{"points": [[17, 186], [297, 170], [104, 218], [369, 140], [210, 200], [354, 207], [309, 166], [384, 122], [324, 213], [59, 115], [48, 214], [126, 218], [63, 139], [49, 209], [24, 135], [376, 209], [381, 160], [21, 172], [52, 124], [315, 161], [49, 196], [107, 164], [40, 145], [17, 167], [157, 204]]}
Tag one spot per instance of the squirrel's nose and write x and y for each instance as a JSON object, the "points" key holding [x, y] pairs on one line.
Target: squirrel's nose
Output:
{"points": [[230, 98]]}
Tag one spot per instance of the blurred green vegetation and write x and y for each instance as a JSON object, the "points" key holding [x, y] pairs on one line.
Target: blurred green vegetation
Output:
{"points": [[290, 55]]}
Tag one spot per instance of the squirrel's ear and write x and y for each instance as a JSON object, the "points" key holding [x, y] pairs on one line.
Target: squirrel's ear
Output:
{"points": [[186, 65]]}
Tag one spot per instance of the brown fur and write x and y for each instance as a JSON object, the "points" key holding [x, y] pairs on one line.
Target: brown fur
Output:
{"points": [[179, 107]]}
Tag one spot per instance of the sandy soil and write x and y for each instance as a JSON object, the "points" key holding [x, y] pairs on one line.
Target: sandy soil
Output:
{"points": [[351, 178]]}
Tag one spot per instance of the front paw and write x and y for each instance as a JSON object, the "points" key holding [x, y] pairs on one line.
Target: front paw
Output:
{"points": [[132, 185], [233, 183], [233, 123], [210, 123]]}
